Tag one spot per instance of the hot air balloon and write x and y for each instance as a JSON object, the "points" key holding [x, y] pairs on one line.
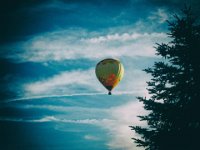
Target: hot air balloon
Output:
{"points": [[109, 72]]}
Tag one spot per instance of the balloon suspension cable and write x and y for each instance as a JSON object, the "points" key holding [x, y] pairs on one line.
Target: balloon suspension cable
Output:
{"points": [[109, 93]]}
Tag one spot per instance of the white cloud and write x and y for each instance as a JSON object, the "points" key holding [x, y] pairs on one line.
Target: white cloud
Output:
{"points": [[135, 81], [63, 82], [124, 37], [124, 116], [84, 121], [70, 95], [160, 15], [44, 119], [118, 126], [91, 138], [55, 119], [68, 84], [78, 43], [73, 112], [116, 121], [132, 40]]}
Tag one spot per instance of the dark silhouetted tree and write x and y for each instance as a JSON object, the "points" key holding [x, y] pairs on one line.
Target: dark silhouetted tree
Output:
{"points": [[174, 104]]}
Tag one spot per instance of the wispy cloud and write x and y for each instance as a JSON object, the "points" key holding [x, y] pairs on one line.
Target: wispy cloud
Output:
{"points": [[160, 15], [79, 43], [44, 119], [63, 82], [69, 95], [91, 138], [125, 116], [83, 82], [116, 121], [50, 96], [71, 113], [55, 119], [124, 37]]}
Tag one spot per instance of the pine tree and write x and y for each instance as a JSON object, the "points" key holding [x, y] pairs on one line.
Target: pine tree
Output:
{"points": [[174, 106]]}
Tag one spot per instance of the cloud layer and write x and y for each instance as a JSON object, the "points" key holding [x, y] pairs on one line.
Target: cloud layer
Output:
{"points": [[116, 121], [78, 44]]}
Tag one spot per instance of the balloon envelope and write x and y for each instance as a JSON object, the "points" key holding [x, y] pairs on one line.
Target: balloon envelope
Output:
{"points": [[109, 72]]}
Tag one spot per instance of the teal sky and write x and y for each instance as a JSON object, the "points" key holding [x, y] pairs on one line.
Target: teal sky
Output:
{"points": [[50, 97]]}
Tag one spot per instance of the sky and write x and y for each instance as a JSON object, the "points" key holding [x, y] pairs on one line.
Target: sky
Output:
{"points": [[50, 98]]}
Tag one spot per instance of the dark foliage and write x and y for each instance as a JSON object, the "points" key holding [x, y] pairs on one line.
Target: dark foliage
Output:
{"points": [[174, 106]]}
